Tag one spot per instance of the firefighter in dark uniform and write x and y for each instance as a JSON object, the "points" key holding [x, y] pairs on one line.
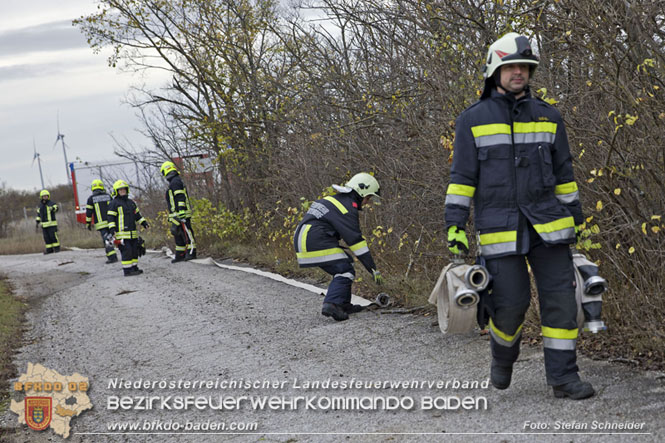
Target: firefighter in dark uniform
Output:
{"points": [[317, 237], [46, 216], [95, 214], [180, 214], [511, 157], [123, 219]]}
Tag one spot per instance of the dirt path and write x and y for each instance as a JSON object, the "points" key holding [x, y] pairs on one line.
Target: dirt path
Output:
{"points": [[192, 322]]}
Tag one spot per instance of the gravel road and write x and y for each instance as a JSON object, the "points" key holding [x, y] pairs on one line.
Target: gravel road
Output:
{"points": [[190, 322]]}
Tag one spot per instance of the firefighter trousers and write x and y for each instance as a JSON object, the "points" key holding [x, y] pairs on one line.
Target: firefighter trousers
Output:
{"points": [[110, 250], [552, 267], [129, 251], [339, 289], [51, 239], [184, 240]]}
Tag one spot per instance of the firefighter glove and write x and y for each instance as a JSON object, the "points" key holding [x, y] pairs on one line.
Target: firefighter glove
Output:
{"points": [[457, 241], [36, 222], [145, 225], [89, 226], [378, 278]]}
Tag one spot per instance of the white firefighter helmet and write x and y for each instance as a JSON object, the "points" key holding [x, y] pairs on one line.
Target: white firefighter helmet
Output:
{"points": [[363, 183], [511, 48]]}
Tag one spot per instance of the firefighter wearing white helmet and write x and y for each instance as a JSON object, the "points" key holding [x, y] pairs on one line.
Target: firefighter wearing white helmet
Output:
{"points": [[46, 217], [124, 217], [95, 214], [180, 214], [317, 237], [511, 159]]}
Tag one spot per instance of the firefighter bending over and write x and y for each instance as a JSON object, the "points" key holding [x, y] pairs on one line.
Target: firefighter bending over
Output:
{"points": [[317, 237]]}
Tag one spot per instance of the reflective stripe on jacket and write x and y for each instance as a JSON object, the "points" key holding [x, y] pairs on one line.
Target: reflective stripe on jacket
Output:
{"points": [[95, 209], [177, 200], [328, 220], [511, 157], [123, 217], [46, 214]]}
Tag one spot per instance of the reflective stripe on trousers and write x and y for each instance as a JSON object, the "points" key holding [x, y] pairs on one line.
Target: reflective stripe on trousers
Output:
{"points": [[553, 269]]}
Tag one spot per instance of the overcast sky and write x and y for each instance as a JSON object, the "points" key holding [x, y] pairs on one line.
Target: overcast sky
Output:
{"points": [[47, 68]]}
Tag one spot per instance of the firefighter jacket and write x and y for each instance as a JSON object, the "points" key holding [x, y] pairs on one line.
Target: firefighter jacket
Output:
{"points": [[123, 217], [95, 210], [46, 214], [177, 200], [511, 157], [326, 222]]}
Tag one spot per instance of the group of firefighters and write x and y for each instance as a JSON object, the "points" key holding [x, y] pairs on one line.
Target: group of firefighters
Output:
{"points": [[511, 158], [116, 217]]}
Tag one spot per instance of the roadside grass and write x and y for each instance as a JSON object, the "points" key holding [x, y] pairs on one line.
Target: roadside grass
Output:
{"points": [[11, 318], [26, 241], [22, 240]]}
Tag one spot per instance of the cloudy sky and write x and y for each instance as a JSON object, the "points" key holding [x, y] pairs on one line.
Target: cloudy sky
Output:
{"points": [[47, 69]]}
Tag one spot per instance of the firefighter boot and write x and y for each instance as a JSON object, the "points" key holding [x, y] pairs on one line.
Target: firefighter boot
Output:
{"points": [[350, 308], [500, 375], [190, 256], [179, 256], [48, 251], [136, 270], [334, 311], [576, 390], [56, 249], [111, 259]]}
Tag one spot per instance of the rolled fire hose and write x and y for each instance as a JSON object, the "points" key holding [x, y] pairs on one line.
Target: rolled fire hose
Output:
{"points": [[456, 296], [589, 290]]}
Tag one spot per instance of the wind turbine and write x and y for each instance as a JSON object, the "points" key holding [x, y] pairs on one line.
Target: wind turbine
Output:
{"points": [[61, 138], [35, 156]]}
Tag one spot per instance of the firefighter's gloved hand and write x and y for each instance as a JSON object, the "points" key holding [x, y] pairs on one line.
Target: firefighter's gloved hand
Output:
{"points": [[457, 241], [145, 225], [36, 222], [89, 226], [378, 278]]}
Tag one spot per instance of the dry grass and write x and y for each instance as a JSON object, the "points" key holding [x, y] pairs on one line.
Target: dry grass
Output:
{"points": [[23, 238]]}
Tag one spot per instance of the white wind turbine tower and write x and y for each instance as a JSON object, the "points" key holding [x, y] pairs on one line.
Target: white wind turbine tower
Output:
{"points": [[35, 156], [61, 138]]}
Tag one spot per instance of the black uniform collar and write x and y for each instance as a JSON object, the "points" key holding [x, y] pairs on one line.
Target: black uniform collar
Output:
{"points": [[490, 91], [510, 96], [357, 200]]}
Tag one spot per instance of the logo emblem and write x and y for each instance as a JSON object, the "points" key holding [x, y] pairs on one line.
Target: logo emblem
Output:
{"points": [[501, 54], [38, 412]]}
